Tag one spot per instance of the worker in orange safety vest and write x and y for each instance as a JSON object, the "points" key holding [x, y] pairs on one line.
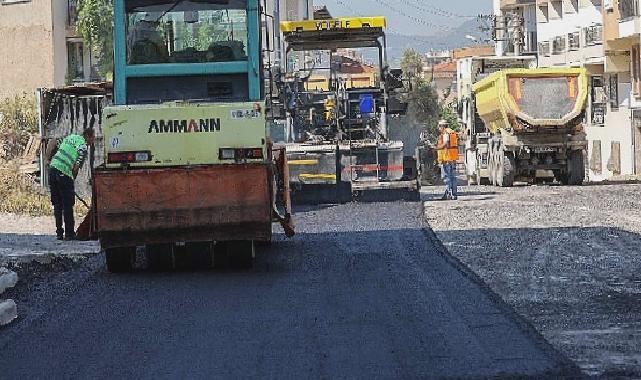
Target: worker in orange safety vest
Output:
{"points": [[447, 147]]}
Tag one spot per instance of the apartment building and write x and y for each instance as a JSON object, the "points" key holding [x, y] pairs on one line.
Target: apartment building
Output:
{"points": [[43, 49], [615, 149], [510, 15], [570, 33]]}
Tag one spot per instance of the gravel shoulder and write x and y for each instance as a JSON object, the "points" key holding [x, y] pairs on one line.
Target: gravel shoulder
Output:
{"points": [[566, 258]]}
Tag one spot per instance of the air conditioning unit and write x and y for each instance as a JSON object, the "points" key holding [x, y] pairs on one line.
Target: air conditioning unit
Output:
{"points": [[597, 34], [574, 41], [558, 45]]}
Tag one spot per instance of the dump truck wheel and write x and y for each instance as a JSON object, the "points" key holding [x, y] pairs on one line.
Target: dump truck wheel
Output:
{"points": [[576, 170], [120, 259], [490, 164], [160, 257], [506, 168]]}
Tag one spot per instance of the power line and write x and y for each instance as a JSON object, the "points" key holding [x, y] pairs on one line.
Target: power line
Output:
{"points": [[414, 18], [436, 10]]}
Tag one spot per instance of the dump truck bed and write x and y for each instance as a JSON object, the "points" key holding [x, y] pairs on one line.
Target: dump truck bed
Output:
{"points": [[524, 100]]}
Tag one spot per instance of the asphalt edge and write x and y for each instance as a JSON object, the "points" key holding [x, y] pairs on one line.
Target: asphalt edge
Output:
{"points": [[568, 369]]}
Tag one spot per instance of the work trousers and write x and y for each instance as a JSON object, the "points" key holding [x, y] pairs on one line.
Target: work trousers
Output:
{"points": [[449, 170], [62, 199]]}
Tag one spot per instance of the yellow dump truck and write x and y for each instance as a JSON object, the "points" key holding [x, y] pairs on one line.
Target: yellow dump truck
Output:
{"points": [[534, 118]]}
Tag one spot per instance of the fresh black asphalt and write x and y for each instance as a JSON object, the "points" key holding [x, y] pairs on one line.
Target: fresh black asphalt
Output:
{"points": [[363, 291]]}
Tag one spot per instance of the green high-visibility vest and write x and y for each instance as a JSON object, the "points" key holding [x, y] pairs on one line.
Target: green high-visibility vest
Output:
{"points": [[67, 154]]}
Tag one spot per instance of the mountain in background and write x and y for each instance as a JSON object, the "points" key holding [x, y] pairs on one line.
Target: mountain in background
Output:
{"points": [[397, 43]]}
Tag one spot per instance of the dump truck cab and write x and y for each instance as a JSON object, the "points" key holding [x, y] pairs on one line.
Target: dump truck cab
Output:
{"points": [[186, 155]]}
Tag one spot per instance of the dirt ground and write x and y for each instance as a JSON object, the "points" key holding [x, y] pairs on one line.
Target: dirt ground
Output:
{"points": [[566, 258]]}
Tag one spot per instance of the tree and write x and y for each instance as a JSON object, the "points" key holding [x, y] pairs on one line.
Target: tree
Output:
{"points": [[423, 106], [448, 114], [95, 25], [412, 63]]}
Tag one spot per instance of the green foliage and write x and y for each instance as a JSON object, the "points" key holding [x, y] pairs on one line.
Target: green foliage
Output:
{"points": [[423, 106], [18, 120], [449, 114], [95, 25]]}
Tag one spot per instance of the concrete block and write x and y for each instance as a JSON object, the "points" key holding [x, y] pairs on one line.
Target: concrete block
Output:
{"points": [[8, 279], [8, 312]]}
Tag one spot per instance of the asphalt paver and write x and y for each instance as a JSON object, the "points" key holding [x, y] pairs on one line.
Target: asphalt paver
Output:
{"points": [[363, 291]]}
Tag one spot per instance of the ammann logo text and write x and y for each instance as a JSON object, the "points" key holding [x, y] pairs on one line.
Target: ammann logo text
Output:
{"points": [[184, 126]]}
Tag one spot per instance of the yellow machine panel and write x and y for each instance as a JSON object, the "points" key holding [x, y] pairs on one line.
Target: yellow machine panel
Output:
{"points": [[182, 134], [535, 97], [333, 24]]}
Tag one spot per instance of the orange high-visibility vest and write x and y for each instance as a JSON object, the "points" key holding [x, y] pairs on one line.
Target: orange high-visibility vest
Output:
{"points": [[450, 152]]}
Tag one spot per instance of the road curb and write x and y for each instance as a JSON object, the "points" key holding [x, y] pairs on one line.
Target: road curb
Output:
{"points": [[8, 312]]}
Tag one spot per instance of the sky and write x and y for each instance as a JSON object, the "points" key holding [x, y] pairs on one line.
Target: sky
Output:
{"points": [[412, 17]]}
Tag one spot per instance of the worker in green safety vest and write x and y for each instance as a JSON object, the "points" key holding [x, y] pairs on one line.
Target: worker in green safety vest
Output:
{"points": [[65, 157]]}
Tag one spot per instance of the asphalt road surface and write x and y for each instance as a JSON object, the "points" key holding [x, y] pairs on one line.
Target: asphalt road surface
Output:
{"points": [[362, 292]]}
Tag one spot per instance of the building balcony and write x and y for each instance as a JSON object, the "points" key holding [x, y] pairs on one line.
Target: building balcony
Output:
{"points": [[510, 4]]}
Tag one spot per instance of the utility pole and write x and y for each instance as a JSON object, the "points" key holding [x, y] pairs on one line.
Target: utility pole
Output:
{"points": [[507, 28]]}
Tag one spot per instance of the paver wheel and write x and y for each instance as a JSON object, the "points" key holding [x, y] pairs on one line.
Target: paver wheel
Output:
{"points": [[120, 259]]}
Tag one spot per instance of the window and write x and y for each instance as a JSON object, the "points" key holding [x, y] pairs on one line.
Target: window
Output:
{"points": [[542, 14], [544, 48], [628, 9], [558, 45], [186, 32], [636, 70], [574, 41], [531, 42], [613, 91], [75, 62], [598, 101], [593, 35], [72, 12], [557, 9]]}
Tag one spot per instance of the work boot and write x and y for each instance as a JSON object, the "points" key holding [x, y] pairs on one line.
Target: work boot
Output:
{"points": [[59, 237], [70, 237]]}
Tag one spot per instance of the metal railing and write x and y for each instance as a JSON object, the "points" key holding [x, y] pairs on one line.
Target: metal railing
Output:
{"points": [[574, 41], [628, 9]]}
